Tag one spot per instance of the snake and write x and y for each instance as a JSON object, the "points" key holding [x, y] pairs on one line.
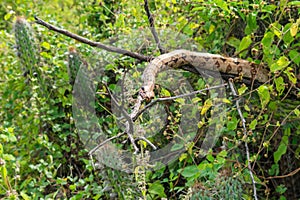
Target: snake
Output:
{"points": [[198, 60]]}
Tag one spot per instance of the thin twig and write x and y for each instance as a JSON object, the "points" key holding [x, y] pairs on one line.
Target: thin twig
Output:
{"points": [[245, 134], [129, 122], [104, 142], [284, 176], [92, 43], [152, 27], [176, 97], [146, 140], [129, 125], [246, 49]]}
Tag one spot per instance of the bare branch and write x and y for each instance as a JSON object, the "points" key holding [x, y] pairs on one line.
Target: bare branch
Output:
{"points": [[129, 123], [152, 27], [245, 134], [146, 140], [174, 97], [284, 176], [104, 142], [92, 43]]}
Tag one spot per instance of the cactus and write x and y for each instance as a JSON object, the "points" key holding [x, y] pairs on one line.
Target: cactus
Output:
{"points": [[27, 50]]}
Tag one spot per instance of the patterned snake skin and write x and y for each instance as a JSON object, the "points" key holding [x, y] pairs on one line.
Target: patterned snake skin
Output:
{"points": [[200, 61]]}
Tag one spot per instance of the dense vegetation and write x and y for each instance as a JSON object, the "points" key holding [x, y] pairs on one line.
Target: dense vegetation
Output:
{"points": [[43, 155]]}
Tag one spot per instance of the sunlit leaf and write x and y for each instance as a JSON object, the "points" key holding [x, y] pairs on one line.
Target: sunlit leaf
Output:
{"points": [[165, 93], [276, 28], [291, 75], [25, 196], [253, 124], [281, 63], [280, 85], [264, 95], [242, 89], [207, 105], [46, 45], [294, 29]]}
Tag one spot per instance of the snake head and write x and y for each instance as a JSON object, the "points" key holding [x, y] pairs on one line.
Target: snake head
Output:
{"points": [[146, 92]]}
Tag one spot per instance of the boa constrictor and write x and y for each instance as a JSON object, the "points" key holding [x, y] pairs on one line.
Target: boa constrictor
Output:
{"points": [[205, 61]]}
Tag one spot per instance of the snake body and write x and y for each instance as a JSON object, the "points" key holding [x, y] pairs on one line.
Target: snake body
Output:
{"points": [[205, 61]]}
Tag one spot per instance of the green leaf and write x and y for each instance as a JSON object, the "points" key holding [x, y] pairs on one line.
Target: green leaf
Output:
{"points": [[223, 154], [157, 188], [253, 124], [4, 175], [287, 37], [274, 170], [242, 89], [281, 63], [25, 196], [222, 4], [294, 3], [291, 75], [165, 93], [251, 23], [296, 111], [8, 157], [177, 146], [207, 105], [264, 95], [245, 43], [269, 8], [268, 40], [46, 45], [234, 42], [282, 146], [182, 157], [232, 123], [190, 171], [180, 100], [210, 158], [294, 56], [7, 16], [279, 82], [281, 189], [294, 29], [276, 28]]}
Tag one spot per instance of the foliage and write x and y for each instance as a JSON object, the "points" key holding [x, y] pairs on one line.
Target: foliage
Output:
{"points": [[41, 154]]}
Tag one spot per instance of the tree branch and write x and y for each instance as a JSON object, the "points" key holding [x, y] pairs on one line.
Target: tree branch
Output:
{"points": [[139, 112], [152, 27], [245, 135], [92, 43]]}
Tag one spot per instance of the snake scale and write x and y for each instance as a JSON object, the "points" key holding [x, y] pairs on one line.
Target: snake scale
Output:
{"points": [[205, 61]]}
